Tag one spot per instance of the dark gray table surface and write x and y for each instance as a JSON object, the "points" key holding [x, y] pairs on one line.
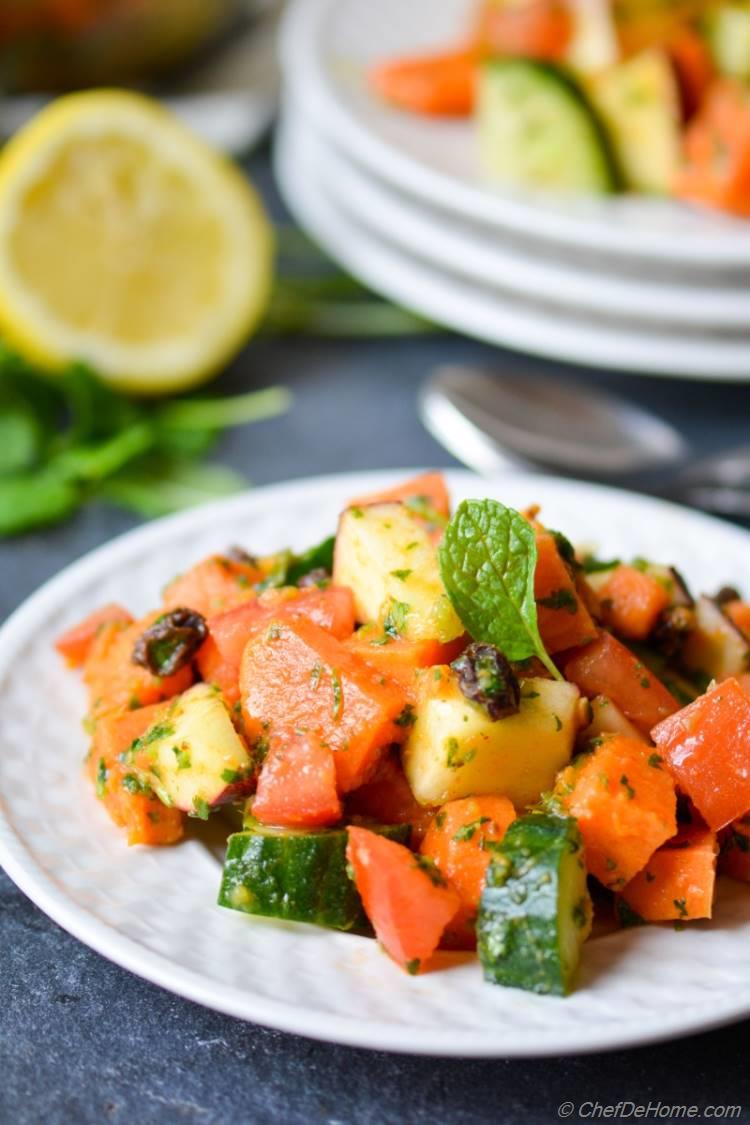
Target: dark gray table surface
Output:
{"points": [[83, 1041]]}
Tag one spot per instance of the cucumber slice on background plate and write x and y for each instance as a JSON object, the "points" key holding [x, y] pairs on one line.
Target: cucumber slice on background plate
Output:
{"points": [[537, 130], [535, 910], [298, 876]]}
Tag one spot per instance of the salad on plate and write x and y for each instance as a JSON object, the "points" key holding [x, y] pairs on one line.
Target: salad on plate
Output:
{"points": [[449, 731], [597, 96]]}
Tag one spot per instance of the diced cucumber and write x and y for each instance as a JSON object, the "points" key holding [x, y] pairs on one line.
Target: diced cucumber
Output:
{"points": [[536, 130], [297, 876], [716, 649], [728, 29], [196, 760], [639, 105], [535, 910], [385, 556], [454, 749]]}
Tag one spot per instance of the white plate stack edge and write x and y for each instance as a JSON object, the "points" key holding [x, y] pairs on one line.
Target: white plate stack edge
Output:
{"points": [[640, 285]]}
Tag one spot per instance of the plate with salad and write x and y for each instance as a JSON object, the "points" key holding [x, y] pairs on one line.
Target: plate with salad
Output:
{"points": [[434, 764], [618, 127]]}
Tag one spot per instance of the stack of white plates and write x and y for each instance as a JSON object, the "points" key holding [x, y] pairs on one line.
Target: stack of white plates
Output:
{"points": [[630, 283]]}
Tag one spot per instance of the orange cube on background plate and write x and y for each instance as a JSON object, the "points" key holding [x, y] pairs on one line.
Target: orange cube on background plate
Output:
{"points": [[707, 748]]}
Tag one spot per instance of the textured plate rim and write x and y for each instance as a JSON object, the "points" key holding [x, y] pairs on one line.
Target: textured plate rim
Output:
{"points": [[301, 56], [104, 939]]}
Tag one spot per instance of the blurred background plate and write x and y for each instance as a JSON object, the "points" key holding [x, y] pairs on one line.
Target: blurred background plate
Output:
{"points": [[327, 46], [321, 204], [496, 258]]}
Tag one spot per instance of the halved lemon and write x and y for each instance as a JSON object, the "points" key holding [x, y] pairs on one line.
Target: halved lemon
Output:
{"points": [[128, 243]]}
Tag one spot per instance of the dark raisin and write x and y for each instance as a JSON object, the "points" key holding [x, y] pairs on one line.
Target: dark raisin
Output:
{"points": [[728, 594], [672, 629], [240, 555], [485, 677], [318, 577], [171, 642]]}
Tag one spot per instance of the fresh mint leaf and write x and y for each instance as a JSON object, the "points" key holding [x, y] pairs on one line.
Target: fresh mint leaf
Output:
{"points": [[319, 557], [157, 487], [32, 500], [20, 434], [487, 562]]}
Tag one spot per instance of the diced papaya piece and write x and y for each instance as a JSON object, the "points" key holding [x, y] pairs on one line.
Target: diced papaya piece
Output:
{"points": [[146, 819], [632, 601], [677, 883], [744, 682], [428, 491], [607, 667], [739, 614], [456, 842], [734, 859], [220, 655], [440, 85], [707, 747], [297, 675], [537, 29], [624, 800], [213, 586], [115, 682], [716, 169], [564, 621], [387, 798], [398, 657], [75, 643], [297, 783], [404, 895]]}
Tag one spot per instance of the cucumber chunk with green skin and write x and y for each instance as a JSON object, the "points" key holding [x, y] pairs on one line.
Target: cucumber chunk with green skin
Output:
{"points": [[297, 876], [537, 130], [535, 910]]}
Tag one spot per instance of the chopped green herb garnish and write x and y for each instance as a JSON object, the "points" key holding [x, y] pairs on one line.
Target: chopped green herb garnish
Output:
{"points": [[401, 574], [232, 776], [561, 599], [338, 694], [182, 756], [407, 716], [395, 619], [627, 787], [468, 831], [681, 907], [136, 785], [412, 967], [201, 808], [424, 863], [101, 778], [655, 761]]}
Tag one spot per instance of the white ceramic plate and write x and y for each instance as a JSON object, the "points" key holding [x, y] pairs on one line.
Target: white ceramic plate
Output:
{"points": [[152, 910], [327, 46], [495, 258], [313, 193]]}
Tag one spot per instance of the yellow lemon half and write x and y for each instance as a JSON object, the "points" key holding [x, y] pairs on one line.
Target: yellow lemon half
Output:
{"points": [[128, 243]]}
